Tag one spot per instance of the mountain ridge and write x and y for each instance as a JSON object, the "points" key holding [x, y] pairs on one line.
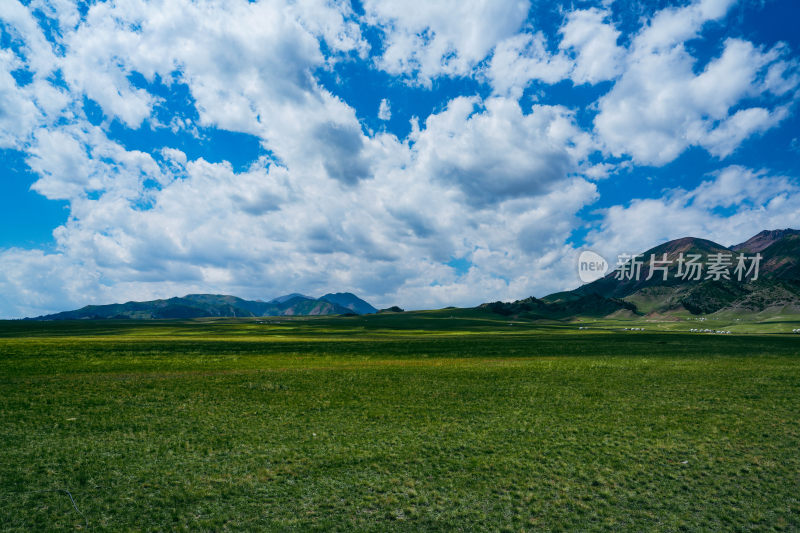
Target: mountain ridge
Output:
{"points": [[212, 305], [349, 301], [777, 284], [667, 290], [763, 240]]}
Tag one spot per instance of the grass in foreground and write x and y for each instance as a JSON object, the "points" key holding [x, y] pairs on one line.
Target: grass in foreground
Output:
{"points": [[351, 424]]}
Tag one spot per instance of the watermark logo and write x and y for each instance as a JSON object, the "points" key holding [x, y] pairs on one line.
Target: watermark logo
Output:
{"points": [[591, 266], [692, 267], [688, 267]]}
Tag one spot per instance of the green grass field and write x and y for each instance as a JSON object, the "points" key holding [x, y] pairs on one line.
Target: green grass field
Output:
{"points": [[440, 421]]}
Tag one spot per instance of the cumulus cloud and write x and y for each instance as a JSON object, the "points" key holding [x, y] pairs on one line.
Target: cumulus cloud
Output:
{"points": [[660, 106], [592, 41], [20, 23], [493, 152], [32, 282], [751, 199], [265, 229], [384, 110], [587, 53], [523, 58], [425, 40], [661, 103], [247, 65], [25, 105], [18, 112]]}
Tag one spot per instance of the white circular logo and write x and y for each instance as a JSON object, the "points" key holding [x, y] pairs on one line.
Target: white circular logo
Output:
{"points": [[591, 266]]}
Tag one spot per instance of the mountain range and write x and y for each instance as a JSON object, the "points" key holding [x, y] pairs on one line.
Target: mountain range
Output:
{"points": [[670, 291], [218, 305], [662, 286]]}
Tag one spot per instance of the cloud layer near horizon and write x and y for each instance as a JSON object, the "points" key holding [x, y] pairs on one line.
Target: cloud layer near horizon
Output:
{"points": [[478, 199]]}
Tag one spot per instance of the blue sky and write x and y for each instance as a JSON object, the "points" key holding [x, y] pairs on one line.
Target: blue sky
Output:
{"points": [[419, 154]]}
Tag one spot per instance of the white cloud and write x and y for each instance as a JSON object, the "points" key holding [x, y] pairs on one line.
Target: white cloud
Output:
{"points": [[22, 26], [674, 25], [752, 201], [587, 53], [521, 59], [269, 229], [75, 160], [18, 113], [247, 65], [332, 22], [493, 152], [65, 12], [725, 138], [25, 106], [384, 110], [660, 107], [425, 40], [33, 282], [739, 186], [594, 45]]}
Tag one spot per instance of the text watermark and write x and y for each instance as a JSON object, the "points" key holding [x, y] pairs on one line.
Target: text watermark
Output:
{"points": [[691, 267], [688, 267]]}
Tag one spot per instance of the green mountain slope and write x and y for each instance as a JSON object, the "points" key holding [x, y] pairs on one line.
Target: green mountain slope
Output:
{"points": [[611, 287], [307, 306], [350, 301], [778, 283], [592, 305]]}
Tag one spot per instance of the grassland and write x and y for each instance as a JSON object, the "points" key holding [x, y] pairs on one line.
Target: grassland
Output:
{"points": [[440, 421]]}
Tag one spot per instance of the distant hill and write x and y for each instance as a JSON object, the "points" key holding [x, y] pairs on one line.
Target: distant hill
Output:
{"points": [[285, 297], [304, 306], [592, 305], [777, 286], [350, 301], [392, 309], [216, 305]]}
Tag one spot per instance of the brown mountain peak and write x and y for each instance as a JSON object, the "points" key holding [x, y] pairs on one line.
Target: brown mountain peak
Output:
{"points": [[763, 240]]}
